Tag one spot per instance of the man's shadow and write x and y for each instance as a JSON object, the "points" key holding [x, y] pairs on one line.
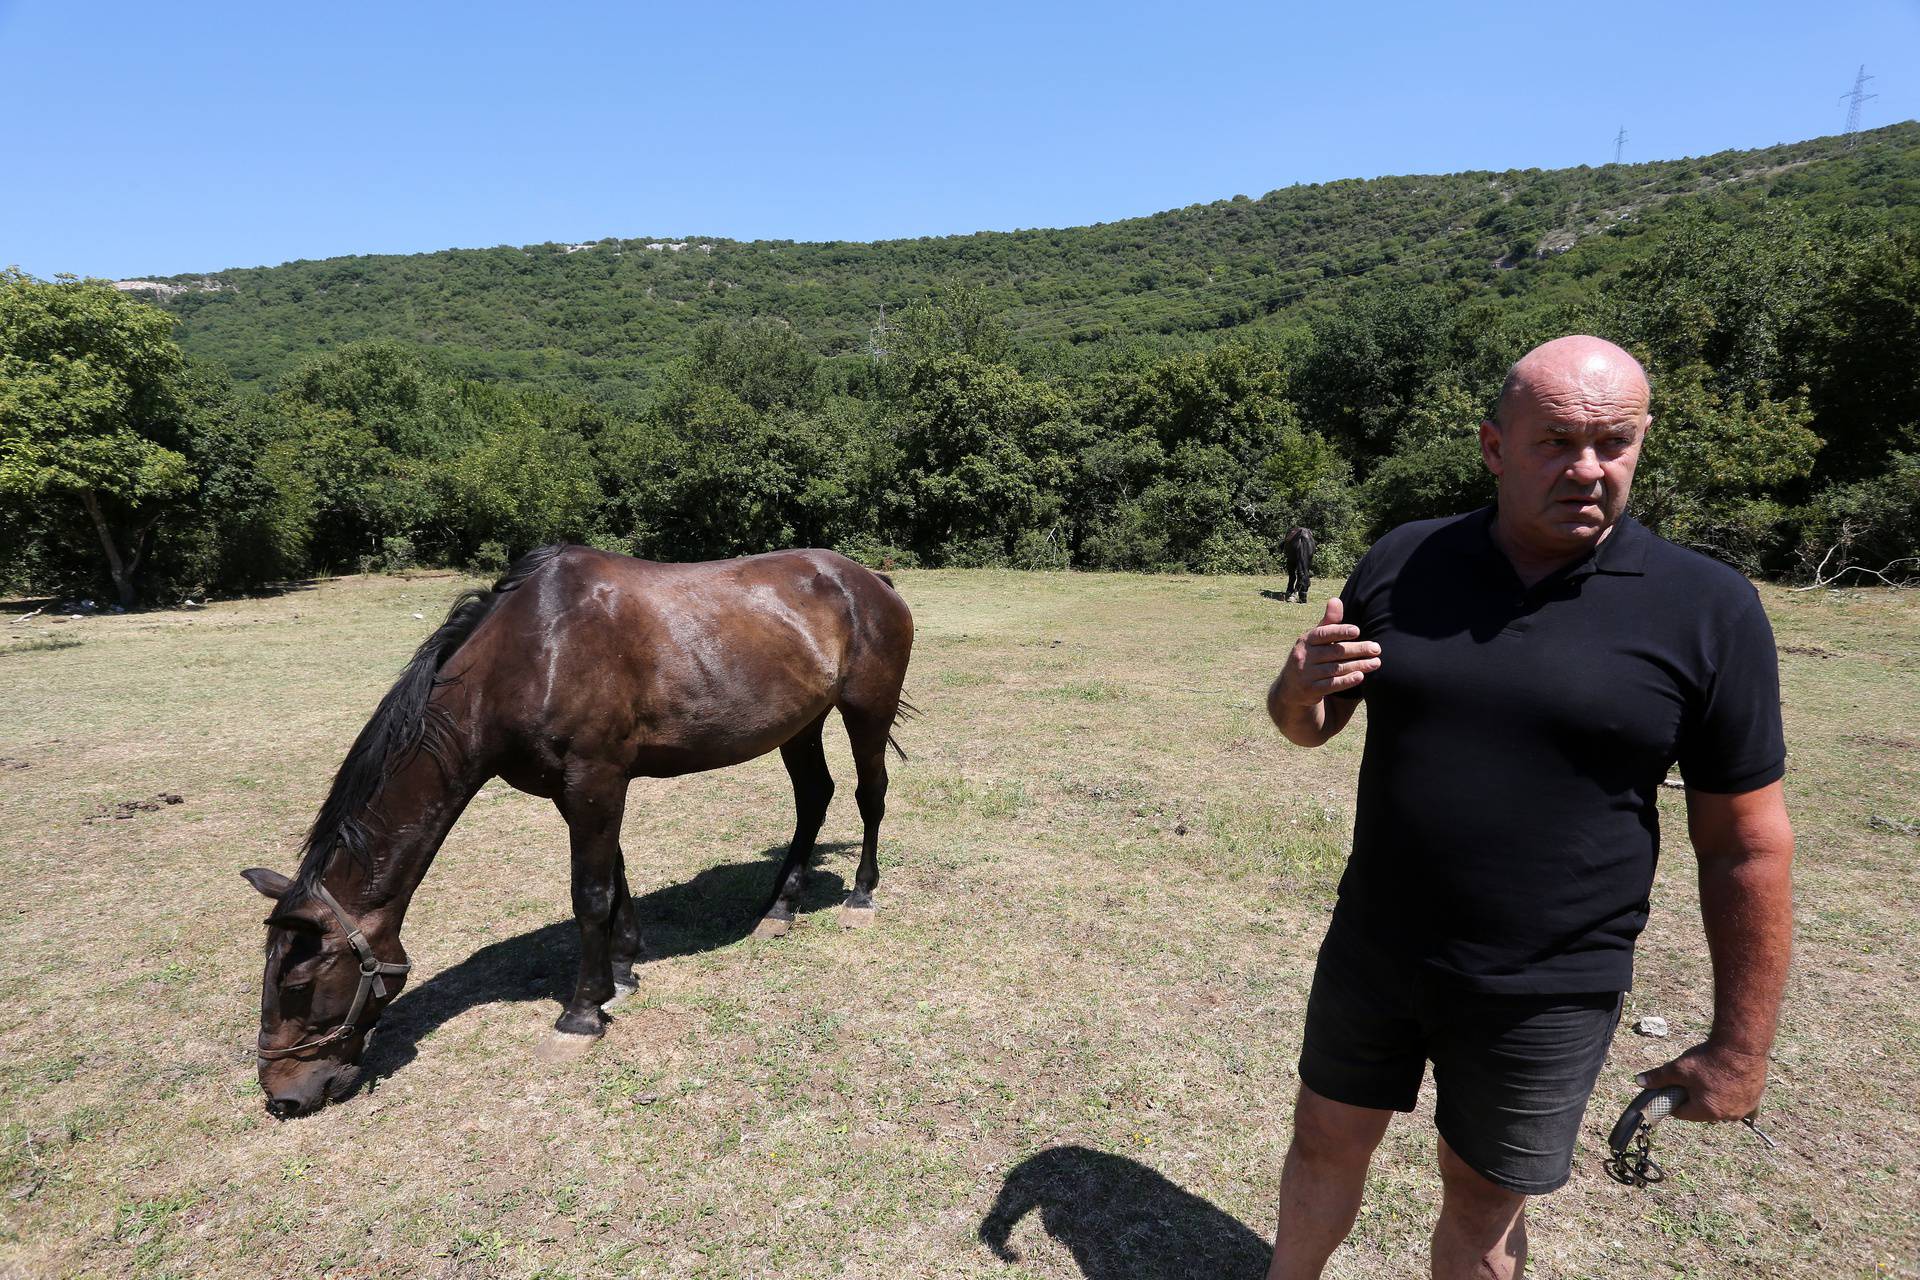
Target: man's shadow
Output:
{"points": [[716, 908], [1121, 1219]]}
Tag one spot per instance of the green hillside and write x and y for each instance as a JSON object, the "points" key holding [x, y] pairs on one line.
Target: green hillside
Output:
{"points": [[604, 318], [1166, 393]]}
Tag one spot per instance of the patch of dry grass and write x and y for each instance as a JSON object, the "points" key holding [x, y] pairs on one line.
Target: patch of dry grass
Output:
{"points": [[1072, 1032]]}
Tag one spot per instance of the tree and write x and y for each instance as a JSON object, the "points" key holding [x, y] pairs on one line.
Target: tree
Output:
{"points": [[90, 411], [1435, 468], [518, 486], [1713, 462], [238, 528], [1370, 364], [762, 362], [984, 456], [1866, 380]]}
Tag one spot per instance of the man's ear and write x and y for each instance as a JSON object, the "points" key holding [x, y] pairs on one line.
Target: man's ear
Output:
{"points": [[1490, 446], [271, 883]]}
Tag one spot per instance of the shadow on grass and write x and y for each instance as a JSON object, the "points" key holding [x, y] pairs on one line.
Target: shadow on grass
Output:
{"points": [[716, 908], [1281, 596], [100, 602], [1121, 1219]]}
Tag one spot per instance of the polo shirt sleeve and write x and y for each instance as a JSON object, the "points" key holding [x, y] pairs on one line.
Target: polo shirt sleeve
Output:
{"points": [[1733, 741]]}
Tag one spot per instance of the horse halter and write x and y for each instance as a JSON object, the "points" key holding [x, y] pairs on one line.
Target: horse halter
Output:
{"points": [[373, 981]]}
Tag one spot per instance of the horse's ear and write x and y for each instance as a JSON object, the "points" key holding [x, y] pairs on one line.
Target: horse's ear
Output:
{"points": [[271, 883]]}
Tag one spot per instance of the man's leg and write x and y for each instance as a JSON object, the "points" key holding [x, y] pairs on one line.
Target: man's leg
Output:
{"points": [[1513, 1076], [1320, 1186], [1482, 1232]]}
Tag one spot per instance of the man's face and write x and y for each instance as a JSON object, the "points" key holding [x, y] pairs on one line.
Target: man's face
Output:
{"points": [[1565, 466]]}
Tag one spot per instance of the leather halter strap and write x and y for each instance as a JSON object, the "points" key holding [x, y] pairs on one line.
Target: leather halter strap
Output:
{"points": [[373, 981]]}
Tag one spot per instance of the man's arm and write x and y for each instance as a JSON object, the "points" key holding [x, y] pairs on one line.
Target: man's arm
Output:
{"points": [[1745, 847], [1325, 660]]}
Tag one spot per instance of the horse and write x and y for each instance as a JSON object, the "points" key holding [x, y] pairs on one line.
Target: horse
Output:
{"points": [[576, 672]]}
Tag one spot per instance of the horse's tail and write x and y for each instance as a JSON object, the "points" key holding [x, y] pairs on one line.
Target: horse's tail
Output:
{"points": [[405, 722], [901, 714]]}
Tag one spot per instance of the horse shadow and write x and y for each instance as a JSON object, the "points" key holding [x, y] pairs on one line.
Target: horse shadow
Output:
{"points": [[1121, 1219], [716, 908]]}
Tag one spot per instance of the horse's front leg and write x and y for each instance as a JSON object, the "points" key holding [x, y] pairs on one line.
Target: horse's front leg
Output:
{"points": [[593, 809]]}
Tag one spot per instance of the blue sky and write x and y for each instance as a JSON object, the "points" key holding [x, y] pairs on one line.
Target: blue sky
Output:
{"points": [[150, 139]]}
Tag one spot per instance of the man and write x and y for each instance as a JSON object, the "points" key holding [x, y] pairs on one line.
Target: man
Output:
{"points": [[1530, 672], [1298, 549]]}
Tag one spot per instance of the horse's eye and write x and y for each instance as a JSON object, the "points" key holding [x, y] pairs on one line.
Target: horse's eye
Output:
{"points": [[301, 975]]}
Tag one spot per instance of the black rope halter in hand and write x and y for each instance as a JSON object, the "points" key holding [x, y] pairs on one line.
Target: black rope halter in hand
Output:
{"points": [[1632, 1138]]}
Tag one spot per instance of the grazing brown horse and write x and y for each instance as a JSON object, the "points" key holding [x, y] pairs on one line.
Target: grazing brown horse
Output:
{"points": [[577, 672]]}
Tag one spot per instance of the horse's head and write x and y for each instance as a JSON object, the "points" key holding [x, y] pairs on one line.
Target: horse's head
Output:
{"points": [[321, 991]]}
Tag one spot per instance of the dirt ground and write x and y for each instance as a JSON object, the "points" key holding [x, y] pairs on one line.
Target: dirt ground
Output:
{"points": [[1066, 1049]]}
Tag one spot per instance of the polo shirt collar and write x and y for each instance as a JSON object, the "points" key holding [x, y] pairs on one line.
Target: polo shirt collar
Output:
{"points": [[1624, 551]]}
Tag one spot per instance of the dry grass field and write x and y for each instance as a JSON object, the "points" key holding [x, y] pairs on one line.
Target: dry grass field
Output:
{"points": [[1066, 1049]]}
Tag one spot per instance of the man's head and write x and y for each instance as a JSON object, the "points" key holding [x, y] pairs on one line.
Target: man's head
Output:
{"points": [[1564, 442]]}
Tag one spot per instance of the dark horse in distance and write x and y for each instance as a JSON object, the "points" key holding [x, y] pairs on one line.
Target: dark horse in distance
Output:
{"points": [[577, 672]]}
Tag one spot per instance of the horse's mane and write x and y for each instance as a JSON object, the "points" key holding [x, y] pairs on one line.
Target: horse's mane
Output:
{"points": [[404, 723]]}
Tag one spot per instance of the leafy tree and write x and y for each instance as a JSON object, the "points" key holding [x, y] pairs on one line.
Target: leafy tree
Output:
{"points": [[762, 362], [954, 320], [1865, 379], [1372, 364], [1435, 468], [90, 412], [384, 389], [983, 456], [1204, 465], [516, 487], [238, 528], [1731, 300], [1713, 462]]}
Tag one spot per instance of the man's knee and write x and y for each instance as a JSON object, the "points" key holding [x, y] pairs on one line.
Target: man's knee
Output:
{"points": [[1472, 1198], [1329, 1132]]}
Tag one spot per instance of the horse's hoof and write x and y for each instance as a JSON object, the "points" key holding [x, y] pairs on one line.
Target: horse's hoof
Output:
{"points": [[621, 990], [560, 1046], [592, 1024], [772, 927], [856, 917]]}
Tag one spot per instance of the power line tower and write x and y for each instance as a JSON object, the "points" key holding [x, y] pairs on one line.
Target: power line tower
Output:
{"points": [[1619, 143], [1853, 98]]}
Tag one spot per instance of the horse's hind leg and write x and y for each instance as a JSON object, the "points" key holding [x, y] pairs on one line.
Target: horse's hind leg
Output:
{"points": [[627, 945], [806, 762], [593, 806], [868, 736]]}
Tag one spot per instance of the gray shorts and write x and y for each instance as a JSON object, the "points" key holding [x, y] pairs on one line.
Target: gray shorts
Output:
{"points": [[1512, 1073]]}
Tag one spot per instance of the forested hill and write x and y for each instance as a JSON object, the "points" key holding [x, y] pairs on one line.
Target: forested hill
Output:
{"points": [[603, 318]]}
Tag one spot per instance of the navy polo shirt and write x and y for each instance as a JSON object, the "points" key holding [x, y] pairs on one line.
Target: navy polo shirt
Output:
{"points": [[1506, 828]]}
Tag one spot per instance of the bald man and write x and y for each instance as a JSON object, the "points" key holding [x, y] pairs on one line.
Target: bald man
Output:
{"points": [[1531, 672]]}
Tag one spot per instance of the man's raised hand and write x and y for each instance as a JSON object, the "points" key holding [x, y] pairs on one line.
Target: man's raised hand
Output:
{"points": [[1327, 659]]}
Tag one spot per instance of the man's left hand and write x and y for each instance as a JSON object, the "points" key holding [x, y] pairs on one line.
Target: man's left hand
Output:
{"points": [[1722, 1083]]}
